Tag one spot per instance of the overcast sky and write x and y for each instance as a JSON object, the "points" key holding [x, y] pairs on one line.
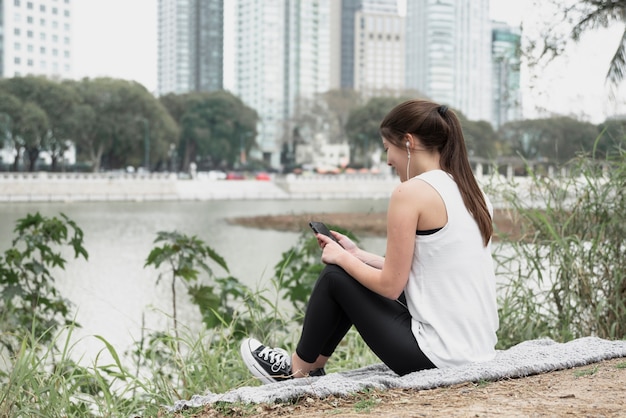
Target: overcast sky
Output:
{"points": [[118, 38]]}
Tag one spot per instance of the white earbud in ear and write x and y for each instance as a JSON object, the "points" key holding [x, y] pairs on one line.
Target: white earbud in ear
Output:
{"points": [[408, 144]]}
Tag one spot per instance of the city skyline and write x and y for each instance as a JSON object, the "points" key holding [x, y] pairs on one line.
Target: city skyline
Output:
{"points": [[130, 52]]}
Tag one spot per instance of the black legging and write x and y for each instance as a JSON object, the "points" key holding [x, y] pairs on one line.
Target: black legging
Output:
{"points": [[337, 302]]}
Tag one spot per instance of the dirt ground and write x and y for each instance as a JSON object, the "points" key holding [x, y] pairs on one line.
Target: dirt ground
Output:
{"points": [[594, 390], [360, 224]]}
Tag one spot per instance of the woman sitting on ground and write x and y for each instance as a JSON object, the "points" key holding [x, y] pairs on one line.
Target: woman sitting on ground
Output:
{"points": [[431, 301]]}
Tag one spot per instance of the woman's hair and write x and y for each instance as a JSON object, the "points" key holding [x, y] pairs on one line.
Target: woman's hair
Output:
{"points": [[438, 128]]}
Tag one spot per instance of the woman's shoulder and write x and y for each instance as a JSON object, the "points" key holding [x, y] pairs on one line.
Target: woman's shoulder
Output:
{"points": [[416, 189]]}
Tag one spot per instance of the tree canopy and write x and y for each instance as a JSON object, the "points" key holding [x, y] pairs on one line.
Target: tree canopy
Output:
{"points": [[214, 127]]}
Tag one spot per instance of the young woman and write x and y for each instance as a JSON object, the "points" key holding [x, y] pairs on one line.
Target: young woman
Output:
{"points": [[431, 301]]}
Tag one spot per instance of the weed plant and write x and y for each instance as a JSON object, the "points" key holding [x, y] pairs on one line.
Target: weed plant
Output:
{"points": [[565, 274]]}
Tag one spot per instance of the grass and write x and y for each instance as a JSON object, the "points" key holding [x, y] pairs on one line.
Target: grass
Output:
{"points": [[365, 401], [564, 274], [586, 372]]}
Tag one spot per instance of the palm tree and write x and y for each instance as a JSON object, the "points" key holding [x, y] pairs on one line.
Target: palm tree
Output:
{"points": [[587, 15]]}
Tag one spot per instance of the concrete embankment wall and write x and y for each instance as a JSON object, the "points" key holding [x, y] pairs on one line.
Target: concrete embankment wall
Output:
{"points": [[42, 187]]}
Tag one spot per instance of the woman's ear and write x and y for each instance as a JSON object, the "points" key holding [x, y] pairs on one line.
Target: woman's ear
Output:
{"points": [[408, 138]]}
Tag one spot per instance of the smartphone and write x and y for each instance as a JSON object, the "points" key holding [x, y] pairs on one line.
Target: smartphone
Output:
{"points": [[321, 228]]}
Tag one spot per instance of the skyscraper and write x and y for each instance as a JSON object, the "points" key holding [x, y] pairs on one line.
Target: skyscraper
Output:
{"points": [[448, 53], [36, 38], [282, 57], [379, 49], [349, 16], [507, 100], [190, 42]]}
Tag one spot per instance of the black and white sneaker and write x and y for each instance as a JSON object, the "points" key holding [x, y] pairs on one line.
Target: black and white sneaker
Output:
{"points": [[268, 364]]}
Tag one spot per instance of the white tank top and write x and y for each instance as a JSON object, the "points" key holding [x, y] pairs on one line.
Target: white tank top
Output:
{"points": [[451, 292]]}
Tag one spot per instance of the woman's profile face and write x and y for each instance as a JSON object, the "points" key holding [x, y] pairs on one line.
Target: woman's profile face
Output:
{"points": [[397, 158]]}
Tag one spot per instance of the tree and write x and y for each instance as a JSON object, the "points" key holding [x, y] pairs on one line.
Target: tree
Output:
{"points": [[556, 139], [56, 100], [364, 122], [214, 127], [33, 129], [480, 138], [28, 127], [581, 16], [340, 103], [118, 123], [10, 111], [611, 138]]}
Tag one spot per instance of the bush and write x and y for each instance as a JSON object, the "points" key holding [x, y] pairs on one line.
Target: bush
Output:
{"points": [[565, 277]]}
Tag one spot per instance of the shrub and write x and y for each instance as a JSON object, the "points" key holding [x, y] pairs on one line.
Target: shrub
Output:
{"points": [[565, 277]]}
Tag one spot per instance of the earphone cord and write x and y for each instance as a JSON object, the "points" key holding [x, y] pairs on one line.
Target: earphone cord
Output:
{"points": [[408, 163]]}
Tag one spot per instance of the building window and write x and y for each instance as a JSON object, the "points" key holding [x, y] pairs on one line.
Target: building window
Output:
{"points": [[29, 5], [29, 63], [42, 22], [29, 33], [17, 46], [42, 36], [55, 10], [16, 2], [42, 8], [16, 31], [42, 49], [17, 60], [66, 13]]}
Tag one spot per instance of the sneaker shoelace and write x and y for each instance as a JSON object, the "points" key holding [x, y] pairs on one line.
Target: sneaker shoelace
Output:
{"points": [[278, 358]]}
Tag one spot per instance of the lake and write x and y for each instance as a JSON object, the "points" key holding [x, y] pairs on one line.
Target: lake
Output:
{"points": [[112, 291]]}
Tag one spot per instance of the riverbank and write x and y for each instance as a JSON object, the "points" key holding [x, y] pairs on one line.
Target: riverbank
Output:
{"points": [[77, 187]]}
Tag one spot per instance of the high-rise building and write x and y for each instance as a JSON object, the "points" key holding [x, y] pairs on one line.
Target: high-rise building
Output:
{"points": [[282, 57], [347, 18], [448, 53], [346, 38], [191, 45], [506, 52], [379, 50], [36, 38]]}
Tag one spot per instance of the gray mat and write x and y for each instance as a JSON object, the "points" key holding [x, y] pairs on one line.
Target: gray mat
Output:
{"points": [[527, 358]]}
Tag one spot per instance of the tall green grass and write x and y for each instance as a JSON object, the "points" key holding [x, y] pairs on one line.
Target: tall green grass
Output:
{"points": [[565, 274]]}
